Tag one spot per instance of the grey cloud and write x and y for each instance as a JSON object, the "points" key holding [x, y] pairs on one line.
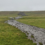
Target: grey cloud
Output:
{"points": [[22, 5]]}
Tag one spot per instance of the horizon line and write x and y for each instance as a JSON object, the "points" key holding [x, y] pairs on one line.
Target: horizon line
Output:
{"points": [[26, 11]]}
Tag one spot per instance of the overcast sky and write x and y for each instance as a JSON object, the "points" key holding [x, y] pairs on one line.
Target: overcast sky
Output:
{"points": [[22, 5]]}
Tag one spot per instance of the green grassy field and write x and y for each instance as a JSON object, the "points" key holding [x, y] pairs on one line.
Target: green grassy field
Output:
{"points": [[10, 35], [35, 20]]}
